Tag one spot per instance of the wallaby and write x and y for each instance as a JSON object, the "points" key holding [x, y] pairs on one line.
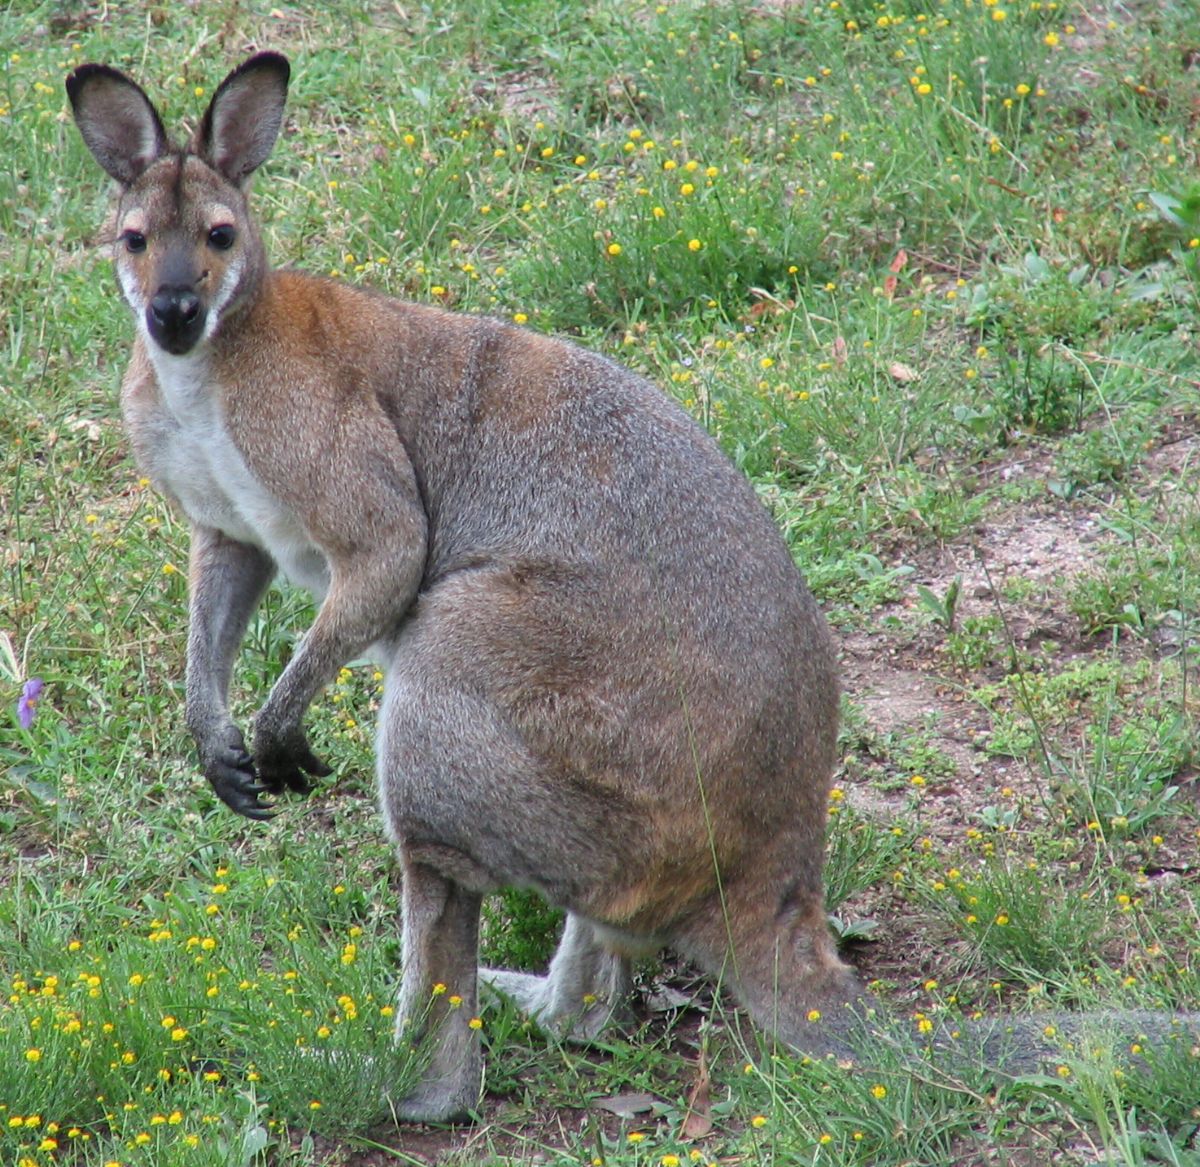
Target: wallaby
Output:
{"points": [[605, 676]]}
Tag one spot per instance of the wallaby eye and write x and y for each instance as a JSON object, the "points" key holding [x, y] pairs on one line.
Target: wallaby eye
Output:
{"points": [[222, 237], [135, 241]]}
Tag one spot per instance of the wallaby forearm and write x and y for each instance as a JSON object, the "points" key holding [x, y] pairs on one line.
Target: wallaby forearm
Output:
{"points": [[365, 604], [227, 580]]}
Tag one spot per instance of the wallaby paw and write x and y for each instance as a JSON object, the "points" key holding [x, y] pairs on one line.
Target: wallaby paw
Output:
{"points": [[441, 1100], [285, 761], [231, 771]]}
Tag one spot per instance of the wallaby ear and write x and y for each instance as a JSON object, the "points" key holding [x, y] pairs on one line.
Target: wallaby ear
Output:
{"points": [[118, 123], [244, 117]]}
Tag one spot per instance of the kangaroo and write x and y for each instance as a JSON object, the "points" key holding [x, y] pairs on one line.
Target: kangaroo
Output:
{"points": [[605, 677]]}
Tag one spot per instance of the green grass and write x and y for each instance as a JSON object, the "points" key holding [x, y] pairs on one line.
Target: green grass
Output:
{"points": [[928, 273]]}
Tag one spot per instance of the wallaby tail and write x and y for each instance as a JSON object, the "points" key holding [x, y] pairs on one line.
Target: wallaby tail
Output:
{"points": [[866, 1034]]}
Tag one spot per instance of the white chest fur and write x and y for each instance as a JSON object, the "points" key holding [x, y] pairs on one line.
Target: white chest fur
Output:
{"points": [[197, 461]]}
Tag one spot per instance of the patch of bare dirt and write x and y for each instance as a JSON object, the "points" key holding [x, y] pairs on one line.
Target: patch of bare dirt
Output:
{"points": [[1170, 463], [1017, 567], [524, 97]]}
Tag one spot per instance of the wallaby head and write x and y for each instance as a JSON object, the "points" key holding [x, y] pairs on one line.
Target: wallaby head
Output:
{"points": [[186, 250]]}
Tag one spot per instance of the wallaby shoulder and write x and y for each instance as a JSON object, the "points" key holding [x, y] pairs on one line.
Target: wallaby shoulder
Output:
{"points": [[425, 364], [490, 416]]}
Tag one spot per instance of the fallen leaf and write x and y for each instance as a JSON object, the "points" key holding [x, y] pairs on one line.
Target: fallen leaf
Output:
{"points": [[668, 998], [91, 426], [698, 1121], [628, 1105]]}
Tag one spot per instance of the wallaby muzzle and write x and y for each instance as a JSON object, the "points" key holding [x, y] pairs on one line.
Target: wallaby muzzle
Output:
{"points": [[175, 318]]}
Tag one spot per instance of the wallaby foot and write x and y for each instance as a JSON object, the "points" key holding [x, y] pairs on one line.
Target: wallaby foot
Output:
{"points": [[441, 1101], [585, 991], [868, 1033], [1026, 1043]]}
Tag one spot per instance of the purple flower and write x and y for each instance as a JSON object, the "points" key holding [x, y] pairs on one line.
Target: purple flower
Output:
{"points": [[27, 704]]}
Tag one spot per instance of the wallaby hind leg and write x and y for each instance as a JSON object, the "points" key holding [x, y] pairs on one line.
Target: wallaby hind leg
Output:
{"points": [[471, 810], [441, 933], [585, 990]]}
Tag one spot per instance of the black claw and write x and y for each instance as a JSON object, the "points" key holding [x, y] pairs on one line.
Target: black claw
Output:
{"points": [[258, 811], [240, 789], [245, 800]]}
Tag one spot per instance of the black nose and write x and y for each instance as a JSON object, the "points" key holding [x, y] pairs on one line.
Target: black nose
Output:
{"points": [[175, 308], [176, 318]]}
